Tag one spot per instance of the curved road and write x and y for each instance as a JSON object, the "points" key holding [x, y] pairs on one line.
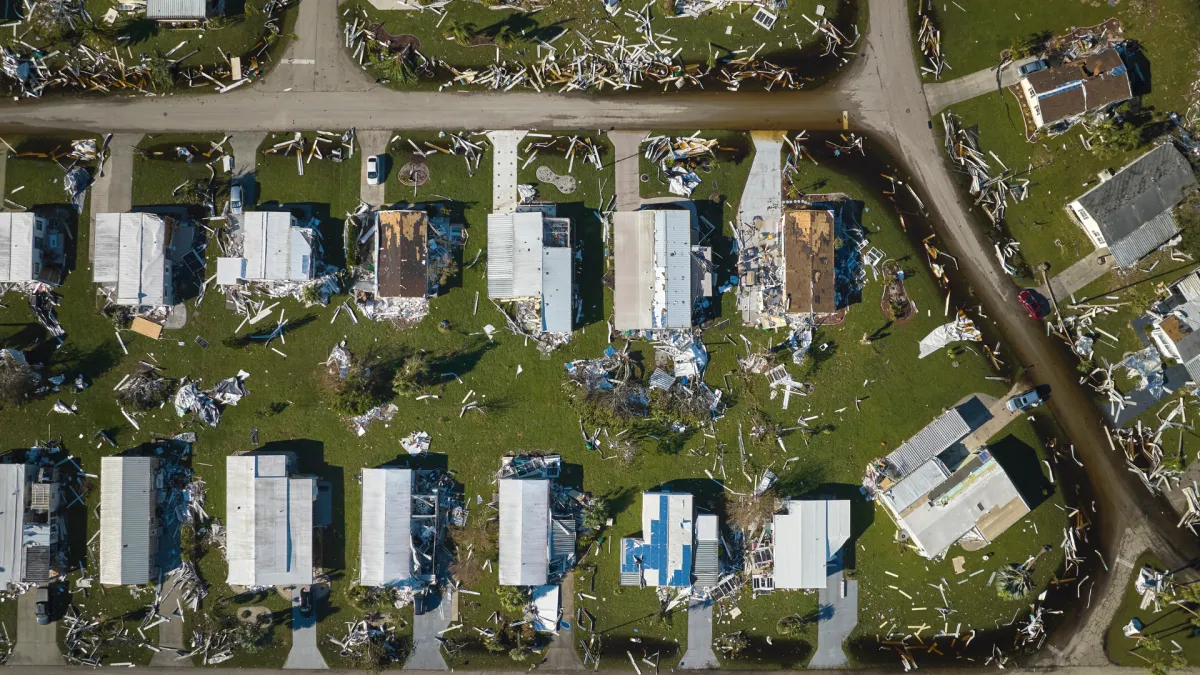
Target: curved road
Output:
{"points": [[881, 91]]}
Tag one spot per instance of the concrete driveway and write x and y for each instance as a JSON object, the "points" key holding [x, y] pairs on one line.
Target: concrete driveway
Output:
{"points": [[36, 645], [304, 654], [699, 654], [427, 651], [374, 142]]}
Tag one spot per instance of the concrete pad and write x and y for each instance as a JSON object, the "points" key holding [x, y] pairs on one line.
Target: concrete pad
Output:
{"points": [[36, 645], [837, 621], [304, 654], [112, 190], [561, 654], [626, 153], [373, 143], [315, 60], [245, 164], [170, 634], [941, 95], [1086, 270], [427, 651], [699, 654], [504, 170], [763, 195]]}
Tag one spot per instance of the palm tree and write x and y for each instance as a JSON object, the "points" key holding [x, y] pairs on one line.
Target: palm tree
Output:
{"points": [[460, 32], [1014, 582], [504, 37], [394, 68]]}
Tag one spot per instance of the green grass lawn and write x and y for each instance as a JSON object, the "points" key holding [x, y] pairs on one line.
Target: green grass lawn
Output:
{"points": [[156, 176], [696, 38], [758, 618], [974, 36], [1170, 626], [529, 411]]}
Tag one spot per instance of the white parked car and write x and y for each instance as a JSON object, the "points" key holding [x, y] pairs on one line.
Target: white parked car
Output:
{"points": [[374, 170], [235, 199]]}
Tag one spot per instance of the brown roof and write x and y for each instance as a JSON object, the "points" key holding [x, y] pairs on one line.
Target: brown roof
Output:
{"points": [[1103, 79], [401, 271], [808, 261], [1174, 328]]}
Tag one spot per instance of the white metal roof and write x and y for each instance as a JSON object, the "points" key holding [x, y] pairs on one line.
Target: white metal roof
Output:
{"points": [[652, 269], [127, 509], [275, 247], [545, 600], [806, 538], [948, 429], [515, 255], [524, 531], [16, 247], [916, 485], [176, 9], [557, 283], [12, 515], [230, 271], [385, 540], [270, 522], [130, 253], [668, 528]]}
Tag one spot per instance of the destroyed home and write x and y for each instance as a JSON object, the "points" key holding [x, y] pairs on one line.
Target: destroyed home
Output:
{"points": [[1130, 212], [32, 535], [1174, 324], [659, 275], [972, 503], [275, 248], [539, 520], [129, 523], [270, 514], [179, 11], [1058, 96], [530, 258], [671, 538], [412, 252], [807, 540], [32, 249], [131, 253], [402, 510], [808, 262], [942, 486]]}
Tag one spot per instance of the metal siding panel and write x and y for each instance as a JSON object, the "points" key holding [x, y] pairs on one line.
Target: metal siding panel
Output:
{"points": [[633, 287], [254, 233], [527, 254], [557, 290], [524, 532], [153, 277], [106, 232], [277, 251], [500, 265], [916, 484], [127, 506], [129, 265], [176, 9], [1142, 241], [938, 435], [16, 247], [12, 513], [239, 517]]}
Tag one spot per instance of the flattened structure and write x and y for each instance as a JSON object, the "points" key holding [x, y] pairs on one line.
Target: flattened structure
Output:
{"points": [[402, 254], [808, 261]]}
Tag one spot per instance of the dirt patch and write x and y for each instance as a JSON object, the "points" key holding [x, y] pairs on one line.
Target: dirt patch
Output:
{"points": [[414, 173], [396, 43], [254, 614], [894, 302]]}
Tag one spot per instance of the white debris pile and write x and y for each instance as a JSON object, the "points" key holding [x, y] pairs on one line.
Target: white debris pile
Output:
{"points": [[207, 405], [991, 193], [677, 159], [527, 323], [384, 413], [416, 443], [962, 329], [1151, 585], [371, 637], [929, 39]]}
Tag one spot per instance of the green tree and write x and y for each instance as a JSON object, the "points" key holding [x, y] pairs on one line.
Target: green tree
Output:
{"points": [[97, 37], [460, 32], [513, 599], [413, 375], [1114, 138], [1014, 582], [161, 72], [504, 38], [394, 68]]}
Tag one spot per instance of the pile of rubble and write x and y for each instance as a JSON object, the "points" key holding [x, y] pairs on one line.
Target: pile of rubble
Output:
{"points": [[207, 405], [526, 321], [323, 145], [1144, 457], [677, 159], [991, 193], [929, 39], [371, 637]]}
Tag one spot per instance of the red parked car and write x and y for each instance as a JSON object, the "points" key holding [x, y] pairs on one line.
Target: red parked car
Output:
{"points": [[1033, 304]]}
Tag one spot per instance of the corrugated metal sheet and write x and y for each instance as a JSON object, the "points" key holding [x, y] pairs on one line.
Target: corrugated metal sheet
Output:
{"points": [[1189, 287], [130, 253], [16, 247], [916, 484], [558, 280], [668, 525], [633, 262], [673, 268], [524, 532], [385, 552], [270, 521], [515, 255], [1142, 241], [275, 247], [12, 515], [176, 9], [806, 539], [938, 435], [128, 542]]}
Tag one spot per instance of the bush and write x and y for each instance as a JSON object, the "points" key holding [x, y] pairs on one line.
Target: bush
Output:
{"points": [[17, 383], [513, 599]]}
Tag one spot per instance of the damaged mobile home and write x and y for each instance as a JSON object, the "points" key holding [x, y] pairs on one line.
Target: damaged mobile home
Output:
{"points": [[270, 513], [275, 248], [32, 535], [413, 254], [660, 277], [132, 257], [1130, 212], [538, 521], [943, 487], [674, 544], [129, 524], [408, 511], [806, 543], [1057, 97], [531, 262], [32, 249]]}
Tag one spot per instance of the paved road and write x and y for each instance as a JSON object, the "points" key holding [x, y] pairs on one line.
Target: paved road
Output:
{"points": [[245, 164], [315, 60], [36, 645], [561, 654]]}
